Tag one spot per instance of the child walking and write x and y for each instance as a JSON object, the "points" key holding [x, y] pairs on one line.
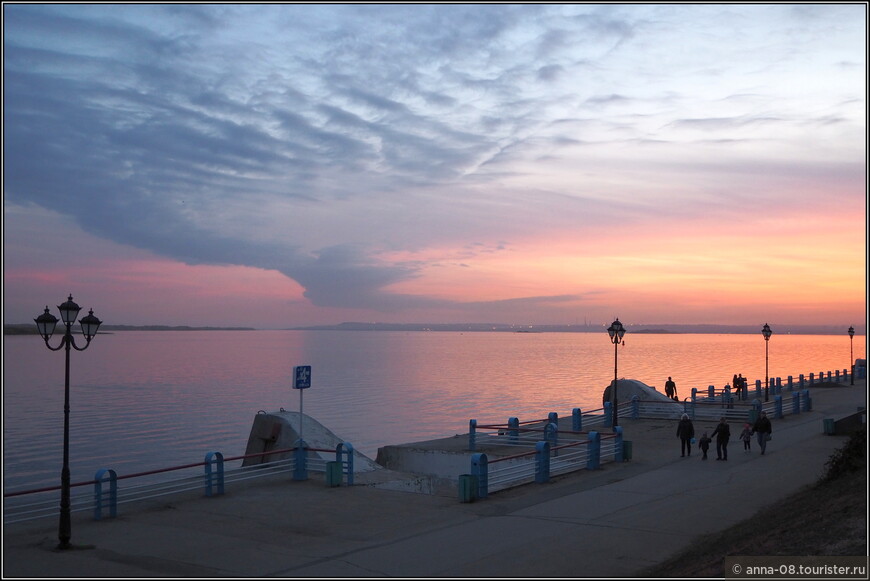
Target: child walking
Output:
{"points": [[746, 436], [704, 445]]}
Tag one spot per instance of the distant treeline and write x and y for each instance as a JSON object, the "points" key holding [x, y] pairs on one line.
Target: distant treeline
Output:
{"points": [[24, 329], [585, 328]]}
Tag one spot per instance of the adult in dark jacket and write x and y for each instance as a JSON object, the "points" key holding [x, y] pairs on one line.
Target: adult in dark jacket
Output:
{"points": [[685, 432], [723, 434], [762, 429]]}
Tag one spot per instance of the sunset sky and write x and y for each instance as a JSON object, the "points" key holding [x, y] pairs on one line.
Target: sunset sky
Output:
{"points": [[281, 165]]}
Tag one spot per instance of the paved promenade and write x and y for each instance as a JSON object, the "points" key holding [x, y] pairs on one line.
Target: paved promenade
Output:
{"points": [[613, 522]]}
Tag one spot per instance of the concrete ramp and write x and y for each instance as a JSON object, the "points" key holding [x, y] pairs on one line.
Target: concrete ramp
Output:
{"points": [[628, 388], [281, 430]]}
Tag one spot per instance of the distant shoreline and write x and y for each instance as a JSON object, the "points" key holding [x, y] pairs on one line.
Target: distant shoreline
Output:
{"points": [[670, 329], [24, 329], [658, 329]]}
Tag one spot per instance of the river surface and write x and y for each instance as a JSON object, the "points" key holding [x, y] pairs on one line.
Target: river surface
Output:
{"points": [[142, 400]]}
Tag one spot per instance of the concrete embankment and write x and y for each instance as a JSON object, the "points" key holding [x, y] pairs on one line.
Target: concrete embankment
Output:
{"points": [[615, 521]]}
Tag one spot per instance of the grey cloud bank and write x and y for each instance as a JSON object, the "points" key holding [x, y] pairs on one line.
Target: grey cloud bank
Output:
{"points": [[310, 139]]}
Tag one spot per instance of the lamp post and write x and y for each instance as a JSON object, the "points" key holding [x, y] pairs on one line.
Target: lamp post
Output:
{"points": [[767, 333], [45, 323], [851, 357], [616, 332]]}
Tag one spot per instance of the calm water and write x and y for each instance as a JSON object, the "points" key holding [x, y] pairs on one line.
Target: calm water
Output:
{"points": [[142, 400]]}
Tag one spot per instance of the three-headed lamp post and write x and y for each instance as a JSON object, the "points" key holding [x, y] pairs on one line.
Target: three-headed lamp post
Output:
{"points": [[767, 333], [851, 357], [46, 322], [616, 332]]}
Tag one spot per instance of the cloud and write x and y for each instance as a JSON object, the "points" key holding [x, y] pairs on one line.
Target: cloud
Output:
{"points": [[312, 139]]}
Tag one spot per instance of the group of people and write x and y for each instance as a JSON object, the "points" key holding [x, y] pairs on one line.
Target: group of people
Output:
{"points": [[761, 429], [738, 382]]}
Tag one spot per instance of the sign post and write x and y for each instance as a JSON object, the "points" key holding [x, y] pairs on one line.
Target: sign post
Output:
{"points": [[301, 381]]}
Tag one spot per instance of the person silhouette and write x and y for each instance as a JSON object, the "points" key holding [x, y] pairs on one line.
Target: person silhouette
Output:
{"points": [[670, 388], [723, 434]]}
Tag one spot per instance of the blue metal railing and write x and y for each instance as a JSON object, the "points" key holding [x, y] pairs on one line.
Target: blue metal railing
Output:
{"points": [[545, 460], [107, 495]]}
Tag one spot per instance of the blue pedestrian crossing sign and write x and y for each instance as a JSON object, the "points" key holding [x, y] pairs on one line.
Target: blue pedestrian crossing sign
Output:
{"points": [[302, 377]]}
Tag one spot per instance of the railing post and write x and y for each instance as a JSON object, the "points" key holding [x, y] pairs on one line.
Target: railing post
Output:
{"points": [[472, 435], [593, 451], [553, 418], [812, 379], [756, 407], [608, 414], [214, 477], [300, 470], [790, 383], [635, 408], [576, 420], [801, 381], [778, 385], [796, 402], [98, 493], [807, 401], [758, 388], [777, 407], [480, 468], [727, 400], [711, 392], [837, 375], [542, 462], [551, 434], [617, 452], [345, 448], [514, 425]]}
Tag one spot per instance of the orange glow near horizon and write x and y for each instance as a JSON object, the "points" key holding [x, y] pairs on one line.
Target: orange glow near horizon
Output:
{"points": [[792, 267], [701, 272]]}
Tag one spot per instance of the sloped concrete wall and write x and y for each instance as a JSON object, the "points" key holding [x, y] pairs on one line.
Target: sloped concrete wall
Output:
{"points": [[281, 430]]}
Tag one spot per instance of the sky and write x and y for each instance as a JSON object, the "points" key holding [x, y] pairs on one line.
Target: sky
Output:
{"points": [[282, 165]]}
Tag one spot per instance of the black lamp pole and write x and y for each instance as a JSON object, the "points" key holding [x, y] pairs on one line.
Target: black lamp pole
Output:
{"points": [[46, 323], [616, 332], [851, 356], [767, 333]]}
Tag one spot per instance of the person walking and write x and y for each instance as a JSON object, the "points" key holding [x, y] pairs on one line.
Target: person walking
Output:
{"points": [[762, 429], [746, 436], [685, 432], [723, 434], [671, 389], [704, 445]]}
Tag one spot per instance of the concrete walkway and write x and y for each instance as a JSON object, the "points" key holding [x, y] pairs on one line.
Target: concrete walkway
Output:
{"points": [[612, 522]]}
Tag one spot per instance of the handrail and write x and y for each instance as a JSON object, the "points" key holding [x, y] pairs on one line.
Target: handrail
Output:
{"points": [[99, 498]]}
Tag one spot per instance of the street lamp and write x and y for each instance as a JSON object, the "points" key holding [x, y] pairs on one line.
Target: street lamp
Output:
{"points": [[851, 356], [616, 332], [767, 333], [45, 323]]}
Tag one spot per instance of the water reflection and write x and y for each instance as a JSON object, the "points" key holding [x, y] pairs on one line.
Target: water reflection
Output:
{"points": [[143, 400]]}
